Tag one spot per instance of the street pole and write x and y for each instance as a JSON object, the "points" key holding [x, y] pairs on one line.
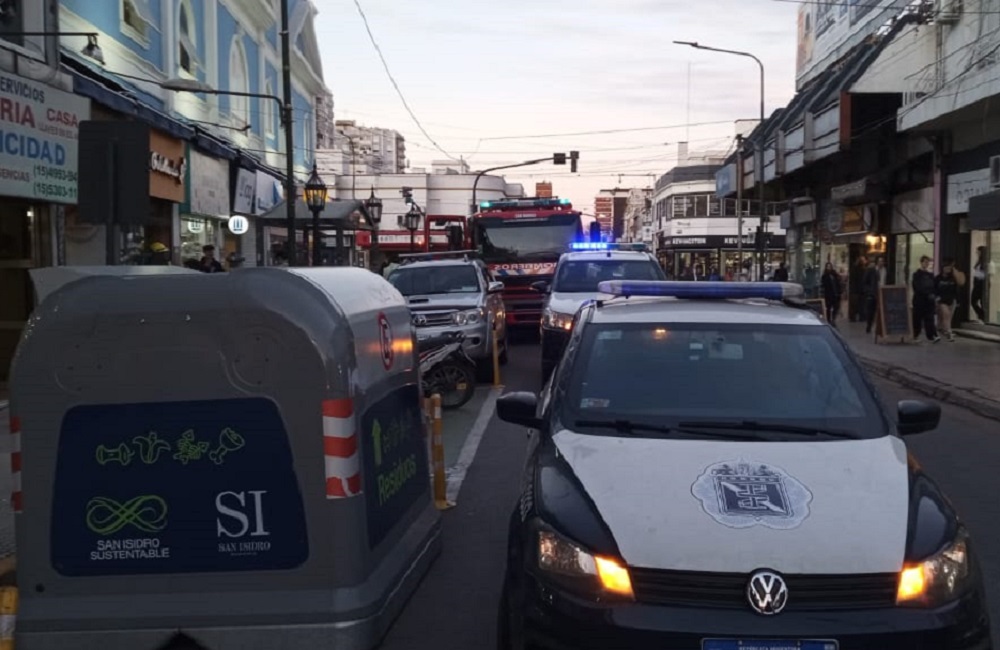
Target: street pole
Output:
{"points": [[286, 75], [758, 172], [475, 184], [739, 203], [316, 257]]}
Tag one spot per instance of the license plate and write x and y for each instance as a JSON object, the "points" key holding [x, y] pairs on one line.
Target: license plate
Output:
{"points": [[768, 644]]}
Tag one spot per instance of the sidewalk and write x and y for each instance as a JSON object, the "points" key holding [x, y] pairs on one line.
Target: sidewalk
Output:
{"points": [[965, 373]]}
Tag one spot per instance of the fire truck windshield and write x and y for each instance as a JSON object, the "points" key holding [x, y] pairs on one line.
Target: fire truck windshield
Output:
{"points": [[517, 239]]}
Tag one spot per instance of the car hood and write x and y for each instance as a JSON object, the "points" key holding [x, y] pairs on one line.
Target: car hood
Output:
{"points": [[568, 303], [439, 301], [721, 506]]}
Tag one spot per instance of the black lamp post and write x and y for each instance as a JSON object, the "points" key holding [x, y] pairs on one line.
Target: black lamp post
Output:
{"points": [[315, 193], [412, 224], [374, 205]]}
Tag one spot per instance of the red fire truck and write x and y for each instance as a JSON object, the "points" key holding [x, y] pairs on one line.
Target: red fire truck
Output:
{"points": [[521, 241]]}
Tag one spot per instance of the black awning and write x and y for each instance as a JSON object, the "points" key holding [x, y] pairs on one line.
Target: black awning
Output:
{"points": [[984, 211]]}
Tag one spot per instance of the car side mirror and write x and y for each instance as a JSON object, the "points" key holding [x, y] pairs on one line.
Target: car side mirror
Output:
{"points": [[519, 408], [914, 416], [541, 286], [495, 287]]}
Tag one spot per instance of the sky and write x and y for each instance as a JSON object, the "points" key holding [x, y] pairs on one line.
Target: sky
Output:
{"points": [[499, 82]]}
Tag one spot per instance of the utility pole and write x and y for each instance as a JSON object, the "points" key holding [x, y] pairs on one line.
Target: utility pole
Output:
{"points": [[286, 75], [739, 203]]}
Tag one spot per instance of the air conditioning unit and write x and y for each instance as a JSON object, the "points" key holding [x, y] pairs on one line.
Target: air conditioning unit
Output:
{"points": [[994, 172], [947, 12]]}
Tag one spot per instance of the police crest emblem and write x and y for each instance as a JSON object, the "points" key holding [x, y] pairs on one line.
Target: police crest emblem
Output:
{"points": [[741, 494]]}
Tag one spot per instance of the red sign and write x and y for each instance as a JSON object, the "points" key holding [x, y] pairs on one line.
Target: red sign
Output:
{"points": [[385, 338]]}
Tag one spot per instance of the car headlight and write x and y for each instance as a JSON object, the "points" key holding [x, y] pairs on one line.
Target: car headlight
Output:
{"points": [[556, 320], [567, 564], [939, 579], [469, 317]]}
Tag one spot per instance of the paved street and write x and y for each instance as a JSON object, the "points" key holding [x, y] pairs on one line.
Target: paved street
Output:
{"points": [[455, 607]]}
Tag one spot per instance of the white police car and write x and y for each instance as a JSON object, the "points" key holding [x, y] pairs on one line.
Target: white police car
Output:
{"points": [[575, 282], [711, 469]]}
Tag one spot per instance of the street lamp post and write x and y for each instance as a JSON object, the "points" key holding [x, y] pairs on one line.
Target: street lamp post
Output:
{"points": [[315, 193], [412, 224], [758, 165], [374, 205]]}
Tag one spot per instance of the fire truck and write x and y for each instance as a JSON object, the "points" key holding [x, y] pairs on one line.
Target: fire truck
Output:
{"points": [[521, 240]]}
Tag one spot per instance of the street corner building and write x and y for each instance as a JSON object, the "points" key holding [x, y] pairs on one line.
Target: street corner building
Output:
{"points": [[886, 149], [84, 74]]}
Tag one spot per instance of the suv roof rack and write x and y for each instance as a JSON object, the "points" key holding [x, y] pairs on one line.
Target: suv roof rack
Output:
{"points": [[409, 258]]}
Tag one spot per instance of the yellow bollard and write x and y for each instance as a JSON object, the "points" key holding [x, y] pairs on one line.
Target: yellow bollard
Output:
{"points": [[496, 355], [8, 617], [437, 454]]}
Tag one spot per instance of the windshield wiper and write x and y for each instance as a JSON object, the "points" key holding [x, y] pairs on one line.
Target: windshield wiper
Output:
{"points": [[622, 426], [754, 425]]}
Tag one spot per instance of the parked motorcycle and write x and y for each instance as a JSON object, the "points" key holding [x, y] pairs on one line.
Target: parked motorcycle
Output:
{"points": [[446, 369]]}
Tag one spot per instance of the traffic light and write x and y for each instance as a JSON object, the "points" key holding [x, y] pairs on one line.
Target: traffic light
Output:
{"points": [[573, 157], [407, 193], [558, 159]]}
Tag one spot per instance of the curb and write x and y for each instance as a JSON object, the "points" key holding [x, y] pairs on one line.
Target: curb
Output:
{"points": [[984, 406]]}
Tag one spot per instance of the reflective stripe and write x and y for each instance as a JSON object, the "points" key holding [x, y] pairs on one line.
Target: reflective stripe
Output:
{"points": [[341, 457]]}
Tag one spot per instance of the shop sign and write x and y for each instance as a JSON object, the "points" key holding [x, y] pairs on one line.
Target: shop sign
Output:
{"points": [[962, 187], [246, 188], [238, 225], [39, 132], [209, 195], [167, 166], [269, 192]]}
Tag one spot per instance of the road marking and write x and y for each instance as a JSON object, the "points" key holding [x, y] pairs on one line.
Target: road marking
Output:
{"points": [[456, 474]]}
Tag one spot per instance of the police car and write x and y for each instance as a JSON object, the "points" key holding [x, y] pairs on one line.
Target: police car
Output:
{"points": [[575, 282], [711, 469]]}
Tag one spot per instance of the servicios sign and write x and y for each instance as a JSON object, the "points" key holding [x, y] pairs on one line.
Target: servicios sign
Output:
{"points": [[38, 140]]}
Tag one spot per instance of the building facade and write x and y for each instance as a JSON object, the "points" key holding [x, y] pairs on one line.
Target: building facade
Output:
{"points": [[210, 155], [363, 150]]}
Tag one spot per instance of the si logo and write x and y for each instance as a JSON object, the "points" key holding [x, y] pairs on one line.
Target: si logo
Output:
{"points": [[742, 494]]}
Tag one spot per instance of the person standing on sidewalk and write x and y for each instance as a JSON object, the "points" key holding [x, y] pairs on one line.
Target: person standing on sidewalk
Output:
{"points": [[922, 283], [874, 278], [832, 292], [946, 287], [979, 272]]}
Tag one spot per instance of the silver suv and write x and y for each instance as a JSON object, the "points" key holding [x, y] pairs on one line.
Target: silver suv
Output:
{"points": [[454, 291]]}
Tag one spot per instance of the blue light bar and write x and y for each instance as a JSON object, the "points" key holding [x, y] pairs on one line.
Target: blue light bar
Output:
{"points": [[704, 290], [608, 246]]}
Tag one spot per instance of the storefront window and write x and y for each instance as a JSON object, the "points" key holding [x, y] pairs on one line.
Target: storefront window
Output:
{"points": [[195, 234], [909, 249]]}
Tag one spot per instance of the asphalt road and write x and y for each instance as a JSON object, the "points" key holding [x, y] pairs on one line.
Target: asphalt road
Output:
{"points": [[455, 606]]}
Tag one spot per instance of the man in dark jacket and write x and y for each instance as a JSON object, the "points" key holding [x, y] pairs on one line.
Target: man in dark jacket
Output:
{"points": [[946, 287], [922, 283]]}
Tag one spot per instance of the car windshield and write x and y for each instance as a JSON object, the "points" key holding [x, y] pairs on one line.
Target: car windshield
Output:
{"points": [[512, 239], [435, 279], [692, 373], [583, 276]]}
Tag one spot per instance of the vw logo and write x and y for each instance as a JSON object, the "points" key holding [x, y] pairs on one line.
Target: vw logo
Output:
{"points": [[767, 593], [419, 320]]}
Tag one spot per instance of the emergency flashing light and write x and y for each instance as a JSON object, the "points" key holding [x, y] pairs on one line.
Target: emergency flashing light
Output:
{"points": [[608, 246], [704, 290], [523, 203]]}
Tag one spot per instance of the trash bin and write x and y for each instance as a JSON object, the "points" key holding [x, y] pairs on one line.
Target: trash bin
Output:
{"points": [[236, 460]]}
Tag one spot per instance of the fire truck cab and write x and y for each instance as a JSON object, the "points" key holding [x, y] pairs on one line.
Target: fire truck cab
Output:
{"points": [[521, 241]]}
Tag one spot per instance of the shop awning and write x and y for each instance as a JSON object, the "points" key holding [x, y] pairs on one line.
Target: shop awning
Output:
{"points": [[984, 211], [337, 212]]}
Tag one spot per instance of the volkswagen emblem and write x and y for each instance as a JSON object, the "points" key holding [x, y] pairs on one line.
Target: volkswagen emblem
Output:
{"points": [[767, 593], [419, 320]]}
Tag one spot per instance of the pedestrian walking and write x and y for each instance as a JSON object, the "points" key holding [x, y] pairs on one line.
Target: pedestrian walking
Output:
{"points": [[947, 284], [874, 278], [781, 275], [924, 304], [208, 262], [980, 271], [832, 293]]}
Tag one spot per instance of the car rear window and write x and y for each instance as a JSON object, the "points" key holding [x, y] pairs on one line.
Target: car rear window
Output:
{"points": [[665, 374], [583, 276]]}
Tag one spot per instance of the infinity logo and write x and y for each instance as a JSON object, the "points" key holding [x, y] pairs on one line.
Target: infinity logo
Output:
{"points": [[106, 516]]}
